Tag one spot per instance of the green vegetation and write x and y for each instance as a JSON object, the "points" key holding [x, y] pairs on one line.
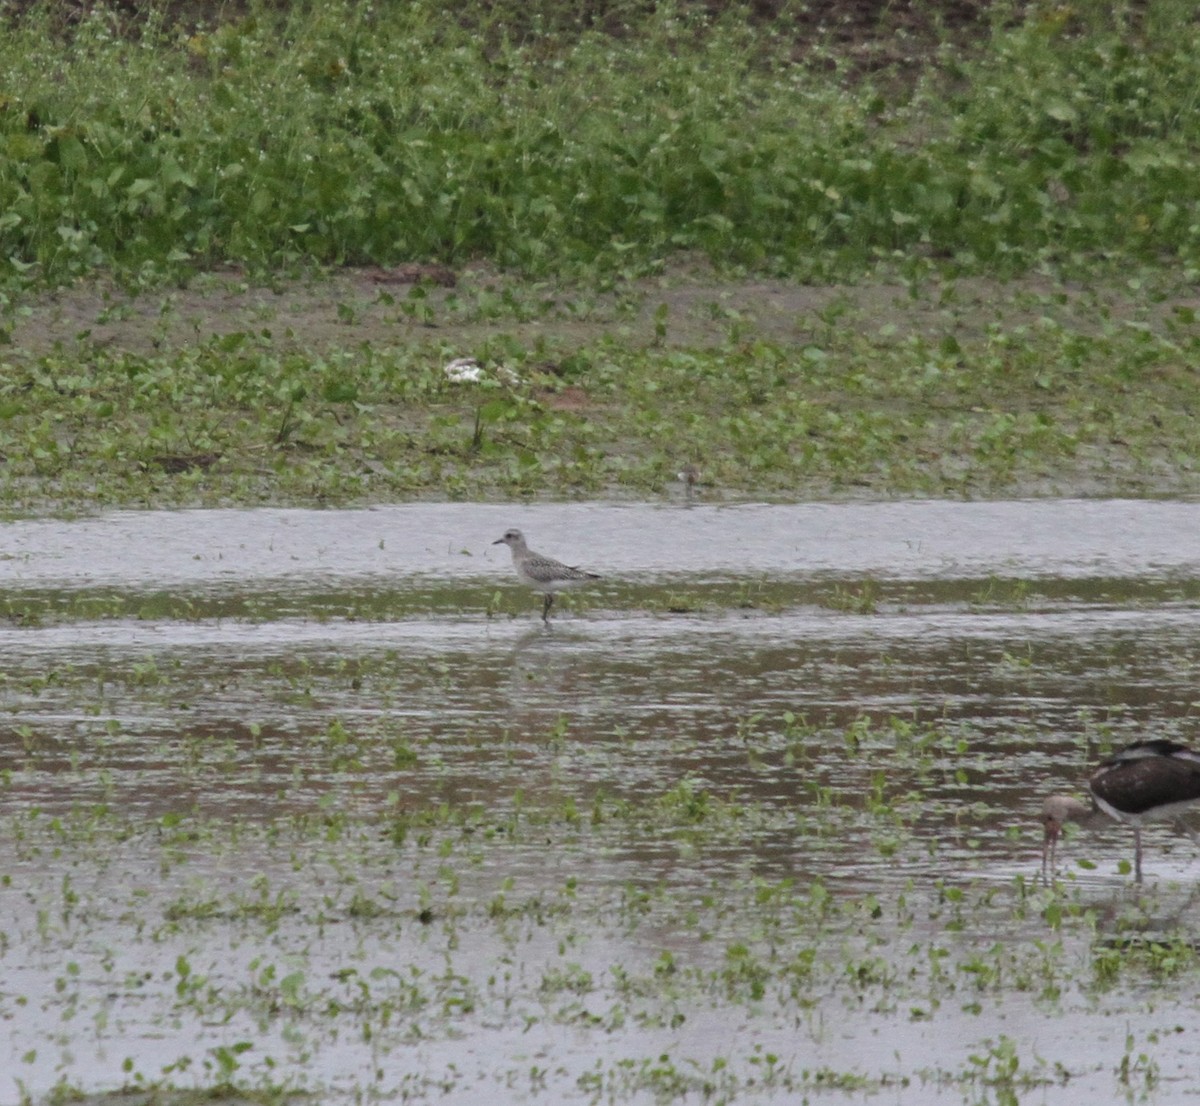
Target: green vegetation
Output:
{"points": [[580, 175], [1039, 406], [347, 133]]}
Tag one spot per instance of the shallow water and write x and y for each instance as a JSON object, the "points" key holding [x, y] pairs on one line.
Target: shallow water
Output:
{"points": [[929, 539], [586, 862]]}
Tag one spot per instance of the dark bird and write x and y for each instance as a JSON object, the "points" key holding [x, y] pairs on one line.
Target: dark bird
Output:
{"points": [[1147, 781]]}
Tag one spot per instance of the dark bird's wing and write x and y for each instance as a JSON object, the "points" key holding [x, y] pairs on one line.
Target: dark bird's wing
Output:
{"points": [[1147, 778]]}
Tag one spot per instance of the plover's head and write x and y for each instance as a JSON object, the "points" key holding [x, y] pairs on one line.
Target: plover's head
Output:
{"points": [[514, 539]]}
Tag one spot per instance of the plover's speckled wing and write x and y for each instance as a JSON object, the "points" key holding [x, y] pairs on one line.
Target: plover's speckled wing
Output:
{"points": [[542, 571]]}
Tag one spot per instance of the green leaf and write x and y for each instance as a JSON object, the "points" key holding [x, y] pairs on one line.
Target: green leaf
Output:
{"points": [[495, 410], [71, 154]]}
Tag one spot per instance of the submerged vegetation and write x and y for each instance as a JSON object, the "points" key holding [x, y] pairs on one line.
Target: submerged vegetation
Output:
{"points": [[366, 923]]}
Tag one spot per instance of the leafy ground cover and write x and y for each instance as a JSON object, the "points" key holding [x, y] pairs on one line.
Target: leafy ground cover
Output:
{"points": [[346, 134], [812, 253], [337, 392]]}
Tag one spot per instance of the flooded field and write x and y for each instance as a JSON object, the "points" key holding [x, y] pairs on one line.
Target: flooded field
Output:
{"points": [[311, 803]]}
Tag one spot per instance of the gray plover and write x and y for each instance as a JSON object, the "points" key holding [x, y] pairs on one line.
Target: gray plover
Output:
{"points": [[543, 574], [1146, 781]]}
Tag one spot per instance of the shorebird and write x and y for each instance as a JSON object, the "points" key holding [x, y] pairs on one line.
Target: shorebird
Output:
{"points": [[1155, 780], [543, 574]]}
